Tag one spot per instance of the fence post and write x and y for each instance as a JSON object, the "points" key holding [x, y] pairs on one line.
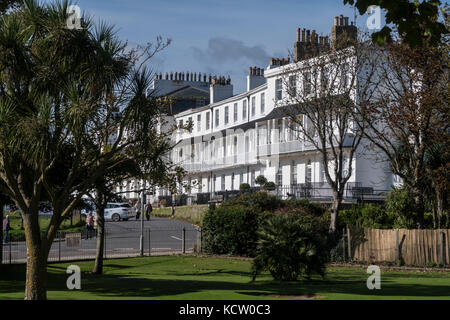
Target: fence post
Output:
{"points": [[183, 240], [199, 240], [442, 256], [10, 249], [104, 240], [349, 245], [59, 247], [149, 244], [343, 244], [397, 248]]}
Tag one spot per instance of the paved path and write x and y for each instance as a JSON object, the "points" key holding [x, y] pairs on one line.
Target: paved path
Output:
{"points": [[122, 239]]}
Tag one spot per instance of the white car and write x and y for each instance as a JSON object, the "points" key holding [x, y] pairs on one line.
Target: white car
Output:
{"points": [[115, 211], [119, 211]]}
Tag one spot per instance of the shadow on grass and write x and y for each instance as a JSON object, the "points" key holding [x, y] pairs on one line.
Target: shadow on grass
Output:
{"points": [[129, 285]]}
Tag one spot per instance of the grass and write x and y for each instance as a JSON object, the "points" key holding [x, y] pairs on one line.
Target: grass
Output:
{"points": [[192, 214], [191, 277], [17, 233]]}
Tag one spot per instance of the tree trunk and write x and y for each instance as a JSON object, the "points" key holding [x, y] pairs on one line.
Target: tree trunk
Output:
{"points": [[37, 254], [439, 205], [420, 208], [1, 234], [98, 266], [335, 208]]}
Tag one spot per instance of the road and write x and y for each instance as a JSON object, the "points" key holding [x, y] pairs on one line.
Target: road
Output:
{"points": [[122, 239]]}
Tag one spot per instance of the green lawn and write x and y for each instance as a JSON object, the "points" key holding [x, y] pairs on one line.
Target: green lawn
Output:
{"points": [[192, 214], [17, 233], [190, 277]]}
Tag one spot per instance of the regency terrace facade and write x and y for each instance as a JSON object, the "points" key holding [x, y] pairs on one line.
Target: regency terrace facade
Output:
{"points": [[236, 138]]}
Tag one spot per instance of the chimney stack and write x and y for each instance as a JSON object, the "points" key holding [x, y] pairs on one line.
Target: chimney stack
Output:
{"points": [[342, 29]]}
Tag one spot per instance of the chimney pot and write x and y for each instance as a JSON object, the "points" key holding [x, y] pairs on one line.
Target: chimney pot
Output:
{"points": [[336, 21], [298, 34], [346, 21], [341, 20], [308, 36]]}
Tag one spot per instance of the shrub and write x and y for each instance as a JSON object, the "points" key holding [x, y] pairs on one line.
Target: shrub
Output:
{"points": [[261, 180], [244, 187], [270, 186], [231, 229], [400, 204], [289, 247], [259, 201], [163, 202], [367, 216]]}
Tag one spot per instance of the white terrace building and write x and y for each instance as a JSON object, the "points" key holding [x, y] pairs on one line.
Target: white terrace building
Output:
{"points": [[236, 138]]}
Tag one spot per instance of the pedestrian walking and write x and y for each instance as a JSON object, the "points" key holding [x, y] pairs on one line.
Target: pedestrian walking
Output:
{"points": [[137, 206], [89, 224], [6, 228], [148, 210], [96, 224]]}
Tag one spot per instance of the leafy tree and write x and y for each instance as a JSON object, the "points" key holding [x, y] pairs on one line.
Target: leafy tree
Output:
{"points": [[415, 20], [408, 114], [320, 110], [63, 125]]}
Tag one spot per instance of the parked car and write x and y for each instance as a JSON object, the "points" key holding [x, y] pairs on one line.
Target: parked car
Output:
{"points": [[119, 211], [114, 211]]}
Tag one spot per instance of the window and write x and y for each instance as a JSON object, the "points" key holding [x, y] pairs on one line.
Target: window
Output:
{"points": [[307, 83], [308, 173], [293, 86], [207, 120], [253, 106], [200, 185], [280, 176], [294, 172], [278, 89], [226, 115], [199, 122], [244, 109], [190, 123], [324, 176], [345, 77], [235, 113], [180, 123], [241, 178], [280, 130], [222, 182], [217, 117], [263, 102], [232, 181], [200, 102]]}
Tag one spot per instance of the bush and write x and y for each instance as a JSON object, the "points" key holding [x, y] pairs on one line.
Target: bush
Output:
{"points": [[231, 230], [259, 201], [163, 202], [244, 187], [290, 247], [367, 216], [261, 180], [400, 204], [270, 186]]}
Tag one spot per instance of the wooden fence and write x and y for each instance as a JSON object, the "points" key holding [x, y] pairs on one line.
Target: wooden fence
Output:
{"points": [[414, 247]]}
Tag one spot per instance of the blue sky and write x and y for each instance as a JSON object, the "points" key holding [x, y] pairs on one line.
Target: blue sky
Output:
{"points": [[218, 37]]}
